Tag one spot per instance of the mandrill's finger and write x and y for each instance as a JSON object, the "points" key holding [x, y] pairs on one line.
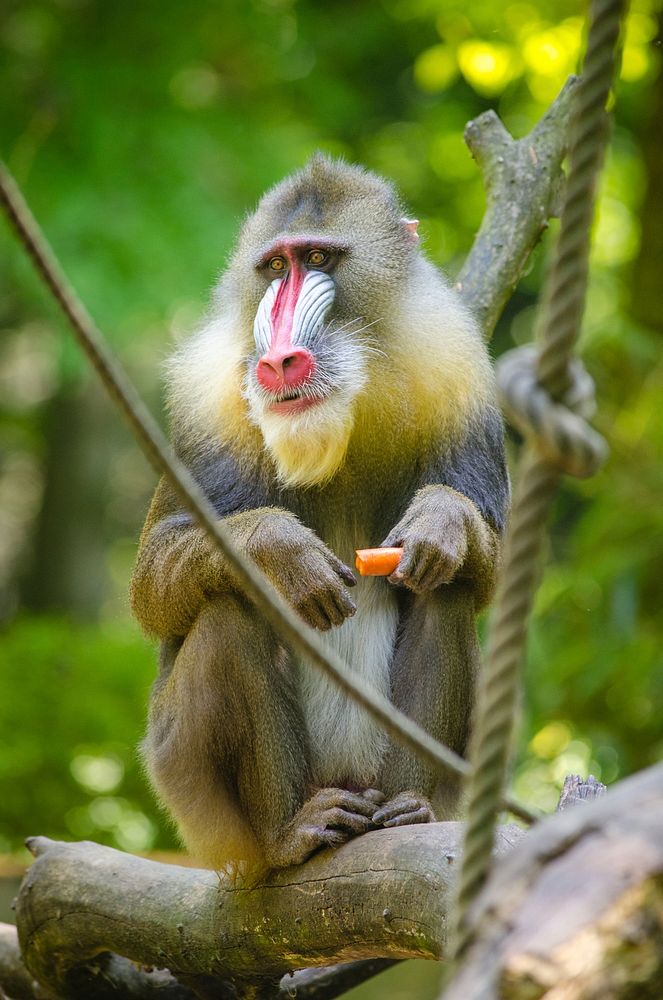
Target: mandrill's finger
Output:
{"points": [[435, 574], [399, 804], [342, 819], [335, 602], [315, 615], [337, 607], [405, 808], [422, 815], [418, 570], [345, 607], [332, 837], [402, 573], [328, 798], [439, 575], [345, 573]]}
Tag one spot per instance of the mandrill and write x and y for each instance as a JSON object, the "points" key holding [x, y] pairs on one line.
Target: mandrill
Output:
{"points": [[339, 397]]}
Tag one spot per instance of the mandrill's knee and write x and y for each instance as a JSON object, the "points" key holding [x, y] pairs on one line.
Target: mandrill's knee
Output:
{"points": [[227, 618], [229, 670], [227, 636]]}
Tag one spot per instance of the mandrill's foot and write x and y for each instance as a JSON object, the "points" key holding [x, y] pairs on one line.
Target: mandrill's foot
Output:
{"points": [[403, 809], [329, 818]]}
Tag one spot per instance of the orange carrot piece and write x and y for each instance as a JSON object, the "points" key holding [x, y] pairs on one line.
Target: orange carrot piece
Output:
{"points": [[377, 562]]}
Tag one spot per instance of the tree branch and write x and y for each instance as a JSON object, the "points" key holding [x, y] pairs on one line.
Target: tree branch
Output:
{"points": [[577, 791], [332, 981], [577, 910], [382, 895], [14, 977], [522, 179]]}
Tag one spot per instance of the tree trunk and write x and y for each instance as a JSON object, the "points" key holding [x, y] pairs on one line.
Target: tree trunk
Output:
{"points": [[67, 569]]}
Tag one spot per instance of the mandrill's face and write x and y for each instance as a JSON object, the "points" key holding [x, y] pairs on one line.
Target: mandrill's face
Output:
{"points": [[320, 268], [310, 360]]}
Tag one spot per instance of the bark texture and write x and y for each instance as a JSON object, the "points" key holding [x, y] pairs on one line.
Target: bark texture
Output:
{"points": [[523, 181], [576, 913]]}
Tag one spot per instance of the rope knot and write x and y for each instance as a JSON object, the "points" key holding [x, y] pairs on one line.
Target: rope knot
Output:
{"points": [[558, 428]]}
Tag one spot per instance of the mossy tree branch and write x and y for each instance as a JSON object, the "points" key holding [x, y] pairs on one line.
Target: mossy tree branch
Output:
{"points": [[383, 895]]}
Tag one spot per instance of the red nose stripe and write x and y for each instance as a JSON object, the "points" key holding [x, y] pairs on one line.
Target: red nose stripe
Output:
{"points": [[283, 310]]}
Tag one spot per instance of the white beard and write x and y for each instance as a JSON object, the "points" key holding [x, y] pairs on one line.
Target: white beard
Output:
{"points": [[307, 447]]}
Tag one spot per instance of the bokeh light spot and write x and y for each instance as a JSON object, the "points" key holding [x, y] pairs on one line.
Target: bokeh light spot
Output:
{"points": [[488, 66], [551, 740], [435, 69], [97, 774]]}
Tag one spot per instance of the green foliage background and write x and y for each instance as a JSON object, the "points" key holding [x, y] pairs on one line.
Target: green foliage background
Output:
{"points": [[141, 134]]}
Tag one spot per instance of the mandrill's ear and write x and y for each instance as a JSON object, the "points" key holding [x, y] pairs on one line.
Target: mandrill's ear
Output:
{"points": [[410, 225]]}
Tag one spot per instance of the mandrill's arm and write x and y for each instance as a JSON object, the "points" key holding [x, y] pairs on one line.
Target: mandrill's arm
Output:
{"points": [[179, 568], [178, 565], [451, 529]]}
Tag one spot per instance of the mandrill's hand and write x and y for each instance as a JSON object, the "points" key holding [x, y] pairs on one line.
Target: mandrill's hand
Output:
{"points": [[444, 536], [308, 574]]}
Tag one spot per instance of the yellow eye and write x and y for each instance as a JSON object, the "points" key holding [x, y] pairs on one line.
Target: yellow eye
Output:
{"points": [[277, 264], [316, 258]]}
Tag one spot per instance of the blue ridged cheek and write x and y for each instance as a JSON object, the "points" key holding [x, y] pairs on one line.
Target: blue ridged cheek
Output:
{"points": [[314, 302], [262, 324], [313, 305]]}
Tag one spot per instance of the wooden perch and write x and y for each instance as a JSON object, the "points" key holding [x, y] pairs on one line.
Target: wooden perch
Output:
{"points": [[578, 791], [382, 895], [14, 977], [576, 912]]}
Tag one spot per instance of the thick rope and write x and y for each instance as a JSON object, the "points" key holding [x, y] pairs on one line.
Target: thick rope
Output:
{"points": [[563, 437], [549, 402], [292, 630]]}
